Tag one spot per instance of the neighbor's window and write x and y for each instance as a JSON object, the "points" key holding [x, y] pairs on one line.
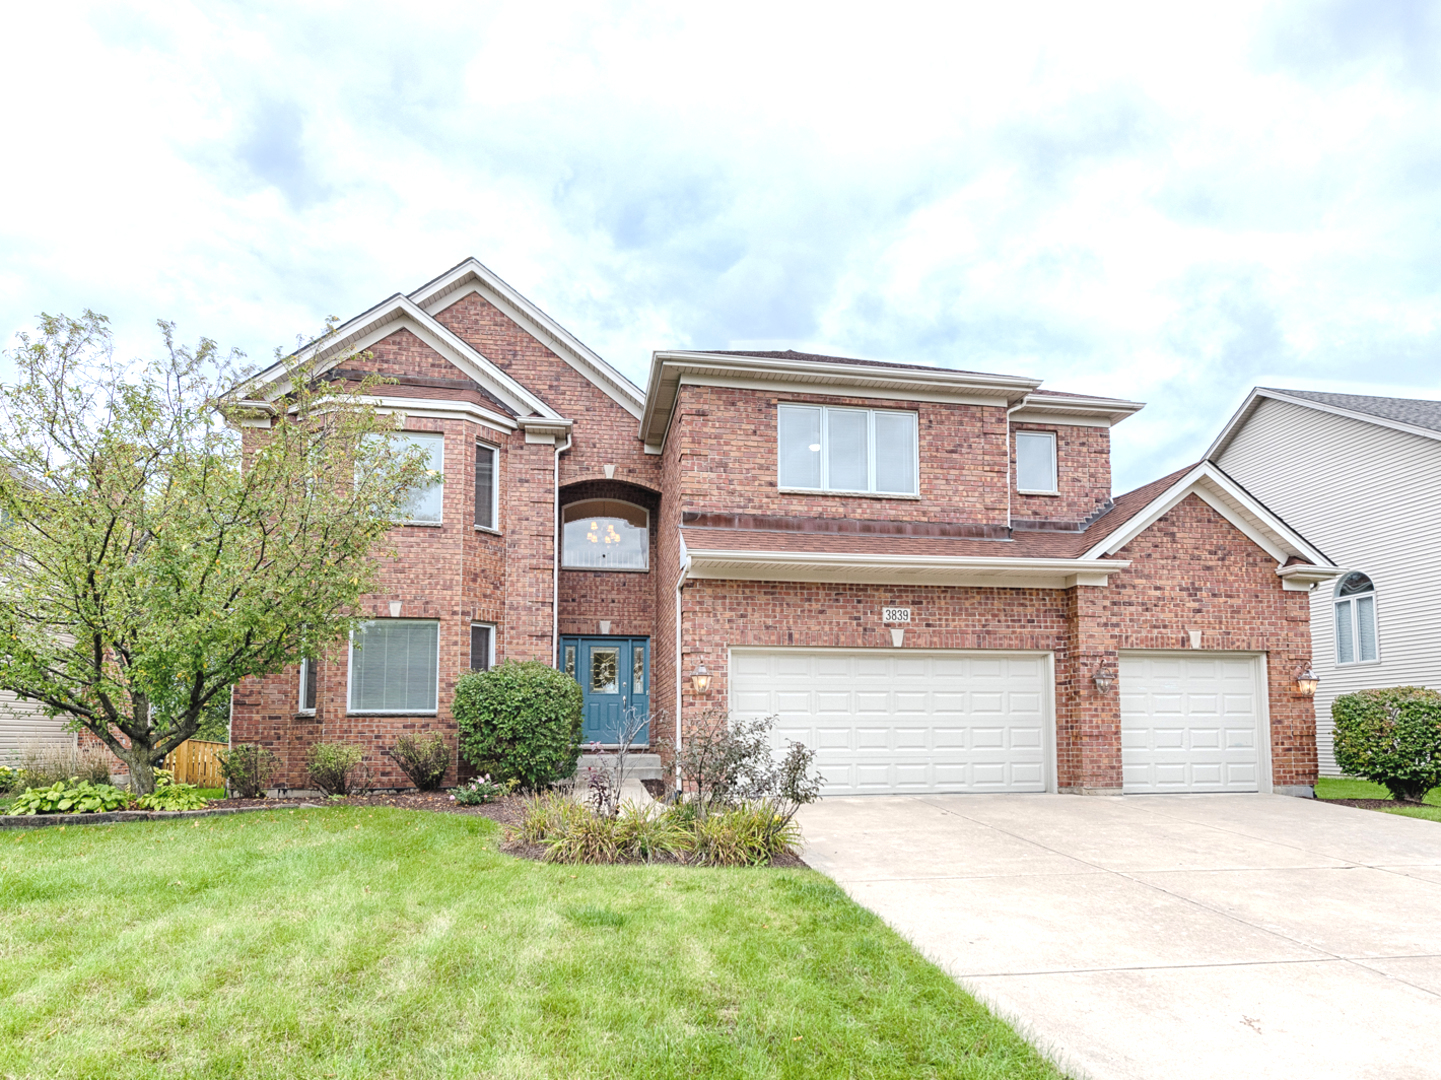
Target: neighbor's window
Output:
{"points": [[1355, 620], [424, 503], [486, 510], [482, 646], [307, 686], [605, 534], [861, 450], [1036, 462], [394, 666]]}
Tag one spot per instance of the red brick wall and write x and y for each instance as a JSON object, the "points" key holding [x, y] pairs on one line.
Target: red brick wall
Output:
{"points": [[727, 439], [626, 598], [1083, 474]]}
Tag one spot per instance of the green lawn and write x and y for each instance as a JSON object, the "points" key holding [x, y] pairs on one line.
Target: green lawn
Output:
{"points": [[1330, 788], [363, 942]]}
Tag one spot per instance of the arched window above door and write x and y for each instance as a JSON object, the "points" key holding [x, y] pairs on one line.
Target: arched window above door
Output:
{"points": [[1356, 620], [605, 534]]}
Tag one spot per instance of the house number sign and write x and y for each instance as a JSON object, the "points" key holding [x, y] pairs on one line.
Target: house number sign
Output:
{"points": [[896, 614]]}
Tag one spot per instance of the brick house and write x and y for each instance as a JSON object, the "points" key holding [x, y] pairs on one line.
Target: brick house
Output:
{"points": [[920, 570]]}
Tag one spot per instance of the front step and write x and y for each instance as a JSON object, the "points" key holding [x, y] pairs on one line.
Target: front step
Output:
{"points": [[637, 766]]}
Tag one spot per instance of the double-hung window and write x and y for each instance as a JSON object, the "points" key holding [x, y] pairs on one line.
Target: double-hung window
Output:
{"points": [[1356, 620], [482, 646], [865, 451], [1036, 462], [487, 508], [394, 666]]}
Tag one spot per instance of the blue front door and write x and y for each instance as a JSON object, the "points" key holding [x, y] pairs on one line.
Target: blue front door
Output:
{"points": [[614, 677]]}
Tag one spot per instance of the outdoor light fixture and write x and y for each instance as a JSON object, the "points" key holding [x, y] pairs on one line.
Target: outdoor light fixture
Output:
{"points": [[700, 681], [1104, 679], [1307, 681]]}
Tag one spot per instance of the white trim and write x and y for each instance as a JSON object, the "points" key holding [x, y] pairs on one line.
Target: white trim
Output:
{"points": [[494, 526], [1049, 436], [902, 569], [605, 569], [1336, 601], [350, 674], [1243, 414], [472, 276], [470, 658], [1043, 408], [444, 409], [300, 707]]}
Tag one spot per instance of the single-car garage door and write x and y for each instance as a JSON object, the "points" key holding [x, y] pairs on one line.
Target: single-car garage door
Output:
{"points": [[1191, 723], [906, 721]]}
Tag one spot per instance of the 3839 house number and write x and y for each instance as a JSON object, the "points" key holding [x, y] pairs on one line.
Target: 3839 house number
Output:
{"points": [[896, 614]]}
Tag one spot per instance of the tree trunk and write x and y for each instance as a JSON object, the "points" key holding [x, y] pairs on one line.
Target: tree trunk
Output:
{"points": [[142, 772]]}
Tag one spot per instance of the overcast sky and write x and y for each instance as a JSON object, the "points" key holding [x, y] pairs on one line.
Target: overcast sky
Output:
{"points": [[1131, 200]]}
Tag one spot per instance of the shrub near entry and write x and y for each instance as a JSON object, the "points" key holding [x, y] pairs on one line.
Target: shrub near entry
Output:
{"points": [[247, 770], [1391, 737], [520, 721]]}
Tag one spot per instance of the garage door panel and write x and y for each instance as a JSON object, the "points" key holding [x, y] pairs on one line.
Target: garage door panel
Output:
{"points": [[1189, 724], [925, 722]]}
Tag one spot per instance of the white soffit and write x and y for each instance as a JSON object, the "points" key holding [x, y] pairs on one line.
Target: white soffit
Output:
{"points": [[395, 314], [872, 569], [1066, 409], [669, 370], [472, 276], [1232, 502]]}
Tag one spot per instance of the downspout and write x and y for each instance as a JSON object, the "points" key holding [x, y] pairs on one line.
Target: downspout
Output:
{"points": [[555, 559], [679, 694], [1010, 483]]}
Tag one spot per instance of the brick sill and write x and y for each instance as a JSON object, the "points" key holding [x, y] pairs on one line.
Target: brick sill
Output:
{"points": [[394, 715], [487, 529], [1042, 494]]}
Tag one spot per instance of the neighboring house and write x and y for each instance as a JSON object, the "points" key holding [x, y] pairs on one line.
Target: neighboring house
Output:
{"points": [[24, 724], [921, 570], [1361, 478]]}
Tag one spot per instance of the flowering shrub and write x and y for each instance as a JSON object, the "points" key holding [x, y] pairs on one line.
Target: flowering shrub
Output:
{"points": [[480, 790]]}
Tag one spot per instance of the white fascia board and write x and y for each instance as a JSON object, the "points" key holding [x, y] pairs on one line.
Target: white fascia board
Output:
{"points": [[1229, 500], [1243, 414], [1303, 578], [446, 409], [402, 313], [852, 380], [901, 569], [474, 276], [1044, 408]]}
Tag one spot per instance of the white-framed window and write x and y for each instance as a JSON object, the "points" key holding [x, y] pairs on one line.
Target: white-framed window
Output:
{"points": [[482, 646], [395, 666], [308, 686], [487, 489], [1356, 620], [605, 534], [865, 451], [1036, 463], [425, 504]]}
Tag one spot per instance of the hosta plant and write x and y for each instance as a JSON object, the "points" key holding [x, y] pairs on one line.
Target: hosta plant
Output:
{"points": [[70, 797]]}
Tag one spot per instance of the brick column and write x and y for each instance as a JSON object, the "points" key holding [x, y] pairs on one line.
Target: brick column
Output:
{"points": [[528, 502], [1088, 722]]}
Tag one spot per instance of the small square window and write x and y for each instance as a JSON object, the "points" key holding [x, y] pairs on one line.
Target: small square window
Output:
{"points": [[1036, 462]]}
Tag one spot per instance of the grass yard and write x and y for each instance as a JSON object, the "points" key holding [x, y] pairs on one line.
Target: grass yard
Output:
{"points": [[366, 942], [1331, 788]]}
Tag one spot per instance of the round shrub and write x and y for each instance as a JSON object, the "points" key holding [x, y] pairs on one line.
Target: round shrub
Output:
{"points": [[520, 721], [1391, 737]]}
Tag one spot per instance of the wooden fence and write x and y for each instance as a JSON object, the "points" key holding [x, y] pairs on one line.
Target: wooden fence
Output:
{"points": [[196, 762]]}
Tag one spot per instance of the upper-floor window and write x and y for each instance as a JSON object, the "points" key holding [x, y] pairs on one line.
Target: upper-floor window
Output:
{"points": [[1355, 620], [487, 509], [424, 503], [605, 534], [853, 450], [1036, 462], [395, 666]]}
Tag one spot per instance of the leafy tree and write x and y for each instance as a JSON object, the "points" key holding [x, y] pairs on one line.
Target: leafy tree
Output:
{"points": [[151, 557]]}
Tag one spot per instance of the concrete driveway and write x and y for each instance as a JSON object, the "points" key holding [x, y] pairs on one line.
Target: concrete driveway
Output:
{"points": [[1166, 936]]}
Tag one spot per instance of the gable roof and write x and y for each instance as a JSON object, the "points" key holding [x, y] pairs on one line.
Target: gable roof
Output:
{"points": [[473, 276], [385, 318], [1418, 416]]}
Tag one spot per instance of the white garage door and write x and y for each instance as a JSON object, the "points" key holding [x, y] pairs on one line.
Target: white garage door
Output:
{"points": [[905, 721], [1190, 723]]}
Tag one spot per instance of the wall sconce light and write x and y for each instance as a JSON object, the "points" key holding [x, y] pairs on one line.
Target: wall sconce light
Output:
{"points": [[1307, 681], [700, 681], [1104, 678]]}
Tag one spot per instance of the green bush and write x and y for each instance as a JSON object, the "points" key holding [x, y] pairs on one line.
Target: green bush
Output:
{"points": [[73, 796], [1391, 737], [478, 791], [423, 758], [247, 770], [168, 795], [520, 721], [548, 815], [337, 768], [10, 779]]}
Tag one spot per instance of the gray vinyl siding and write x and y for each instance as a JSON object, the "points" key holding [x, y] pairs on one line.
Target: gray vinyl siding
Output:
{"points": [[22, 724], [1370, 498]]}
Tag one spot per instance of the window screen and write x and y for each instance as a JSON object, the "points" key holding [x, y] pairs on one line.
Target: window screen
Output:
{"points": [[868, 450], [1035, 461], [485, 485], [480, 646], [393, 666]]}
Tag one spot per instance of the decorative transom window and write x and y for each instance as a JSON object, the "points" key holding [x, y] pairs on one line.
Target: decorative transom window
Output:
{"points": [[1355, 620], [1036, 462], [853, 450], [394, 666], [605, 534]]}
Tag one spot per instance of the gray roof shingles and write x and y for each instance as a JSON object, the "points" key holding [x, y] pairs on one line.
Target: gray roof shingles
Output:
{"points": [[1418, 412]]}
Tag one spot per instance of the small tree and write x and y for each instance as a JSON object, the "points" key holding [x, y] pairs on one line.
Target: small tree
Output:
{"points": [[1391, 737], [520, 721], [149, 559]]}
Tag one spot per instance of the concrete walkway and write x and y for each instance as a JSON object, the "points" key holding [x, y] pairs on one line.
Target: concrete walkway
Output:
{"points": [[1166, 936]]}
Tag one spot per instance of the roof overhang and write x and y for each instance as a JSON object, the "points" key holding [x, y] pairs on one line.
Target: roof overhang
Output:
{"points": [[472, 276], [670, 370], [1043, 408], [1243, 510], [1261, 393], [870, 569]]}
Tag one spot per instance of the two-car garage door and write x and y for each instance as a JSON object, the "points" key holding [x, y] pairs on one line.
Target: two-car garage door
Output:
{"points": [[906, 721]]}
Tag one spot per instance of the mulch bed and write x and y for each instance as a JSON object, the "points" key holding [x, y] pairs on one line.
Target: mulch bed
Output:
{"points": [[1373, 804], [507, 811]]}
